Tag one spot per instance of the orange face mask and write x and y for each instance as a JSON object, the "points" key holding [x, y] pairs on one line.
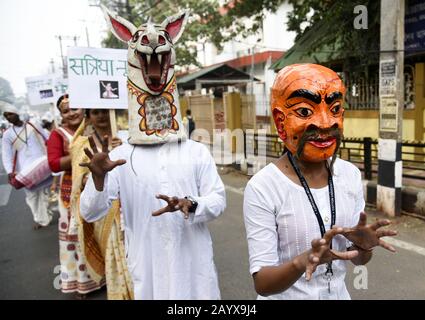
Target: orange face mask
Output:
{"points": [[307, 107]]}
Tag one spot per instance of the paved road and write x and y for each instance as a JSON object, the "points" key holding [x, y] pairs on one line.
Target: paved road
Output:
{"points": [[28, 257]]}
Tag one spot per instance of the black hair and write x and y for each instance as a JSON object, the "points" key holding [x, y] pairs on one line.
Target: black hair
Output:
{"points": [[58, 103], [188, 112], [87, 111]]}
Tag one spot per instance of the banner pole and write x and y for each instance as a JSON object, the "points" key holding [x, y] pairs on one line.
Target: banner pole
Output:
{"points": [[113, 120]]}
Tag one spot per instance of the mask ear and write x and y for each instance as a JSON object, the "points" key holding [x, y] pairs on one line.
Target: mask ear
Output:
{"points": [[279, 118], [120, 27], [176, 24]]}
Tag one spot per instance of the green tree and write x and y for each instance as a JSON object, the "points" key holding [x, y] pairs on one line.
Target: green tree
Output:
{"points": [[359, 48], [217, 25], [205, 23]]}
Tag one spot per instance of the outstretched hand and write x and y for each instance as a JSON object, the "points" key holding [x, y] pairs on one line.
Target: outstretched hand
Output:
{"points": [[321, 252], [366, 236], [99, 163], [173, 204]]}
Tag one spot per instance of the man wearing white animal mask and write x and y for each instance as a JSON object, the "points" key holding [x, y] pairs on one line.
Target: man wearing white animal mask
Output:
{"points": [[169, 249]]}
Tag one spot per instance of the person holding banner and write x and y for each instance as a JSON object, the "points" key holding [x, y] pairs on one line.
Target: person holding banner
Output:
{"points": [[24, 159], [102, 242], [74, 274]]}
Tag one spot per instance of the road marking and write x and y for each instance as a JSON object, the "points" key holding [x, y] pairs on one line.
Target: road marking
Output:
{"points": [[235, 190], [405, 245], [5, 190]]}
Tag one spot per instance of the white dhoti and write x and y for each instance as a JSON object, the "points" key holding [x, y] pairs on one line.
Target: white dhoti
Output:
{"points": [[38, 201]]}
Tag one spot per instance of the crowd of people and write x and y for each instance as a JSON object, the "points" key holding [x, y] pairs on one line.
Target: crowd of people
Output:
{"points": [[91, 255], [134, 217]]}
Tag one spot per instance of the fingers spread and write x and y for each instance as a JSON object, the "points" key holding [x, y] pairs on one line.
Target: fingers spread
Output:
{"points": [[163, 197], [92, 144], [105, 143], [386, 233], [362, 219], [311, 266], [160, 211], [88, 153], [118, 163], [332, 233], [348, 255], [380, 223], [387, 246]]}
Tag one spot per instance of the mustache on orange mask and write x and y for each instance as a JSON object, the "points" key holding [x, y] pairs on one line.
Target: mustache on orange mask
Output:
{"points": [[314, 133]]}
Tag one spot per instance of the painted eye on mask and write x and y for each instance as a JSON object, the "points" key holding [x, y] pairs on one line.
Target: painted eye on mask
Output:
{"points": [[304, 112], [136, 36], [336, 109]]}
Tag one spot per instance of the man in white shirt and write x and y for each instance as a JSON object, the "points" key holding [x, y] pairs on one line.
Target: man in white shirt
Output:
{"points": [[22, 144], [169, 255], [304, 213]]}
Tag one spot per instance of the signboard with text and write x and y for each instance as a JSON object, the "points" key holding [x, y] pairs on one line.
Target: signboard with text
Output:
{"points": [[387, 78], [97, 78], [388, 114], [45, 89], [414, 27]]}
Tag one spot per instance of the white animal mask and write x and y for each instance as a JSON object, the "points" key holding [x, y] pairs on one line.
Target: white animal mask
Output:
{"points": [[154, 110]]}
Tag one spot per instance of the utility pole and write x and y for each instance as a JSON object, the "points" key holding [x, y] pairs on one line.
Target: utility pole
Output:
{"points": [[252, 69], [87, 36], [391, 105], [52, 62], [62, 57], [64, 63]]}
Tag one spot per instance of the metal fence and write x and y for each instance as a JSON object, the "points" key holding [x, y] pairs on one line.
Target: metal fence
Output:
{"points": [[363, 89], [361, 151]]}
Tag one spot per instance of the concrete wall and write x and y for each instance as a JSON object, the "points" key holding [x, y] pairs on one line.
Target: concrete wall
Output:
{"points": [[366, 124]]}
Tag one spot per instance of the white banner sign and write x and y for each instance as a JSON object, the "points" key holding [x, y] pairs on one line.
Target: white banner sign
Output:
{"points": [[45, 89], [97, 78]]}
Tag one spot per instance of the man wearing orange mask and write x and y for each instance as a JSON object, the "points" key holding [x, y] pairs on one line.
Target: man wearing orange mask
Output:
{"points": [[304, 213]]}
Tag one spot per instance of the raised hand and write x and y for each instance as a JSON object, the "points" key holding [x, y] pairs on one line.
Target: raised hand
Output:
{"points": [[366, 236], [100, 163], [321, 252], [173, 204]]}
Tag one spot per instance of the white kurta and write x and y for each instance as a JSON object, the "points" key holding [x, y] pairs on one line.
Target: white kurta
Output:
{"points": [[280, 224], [30, 151], [36, 199], [168, 257]]}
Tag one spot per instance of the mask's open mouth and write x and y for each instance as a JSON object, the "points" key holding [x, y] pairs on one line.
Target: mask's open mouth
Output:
{"points": [[155, 69], [322, 142]]}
